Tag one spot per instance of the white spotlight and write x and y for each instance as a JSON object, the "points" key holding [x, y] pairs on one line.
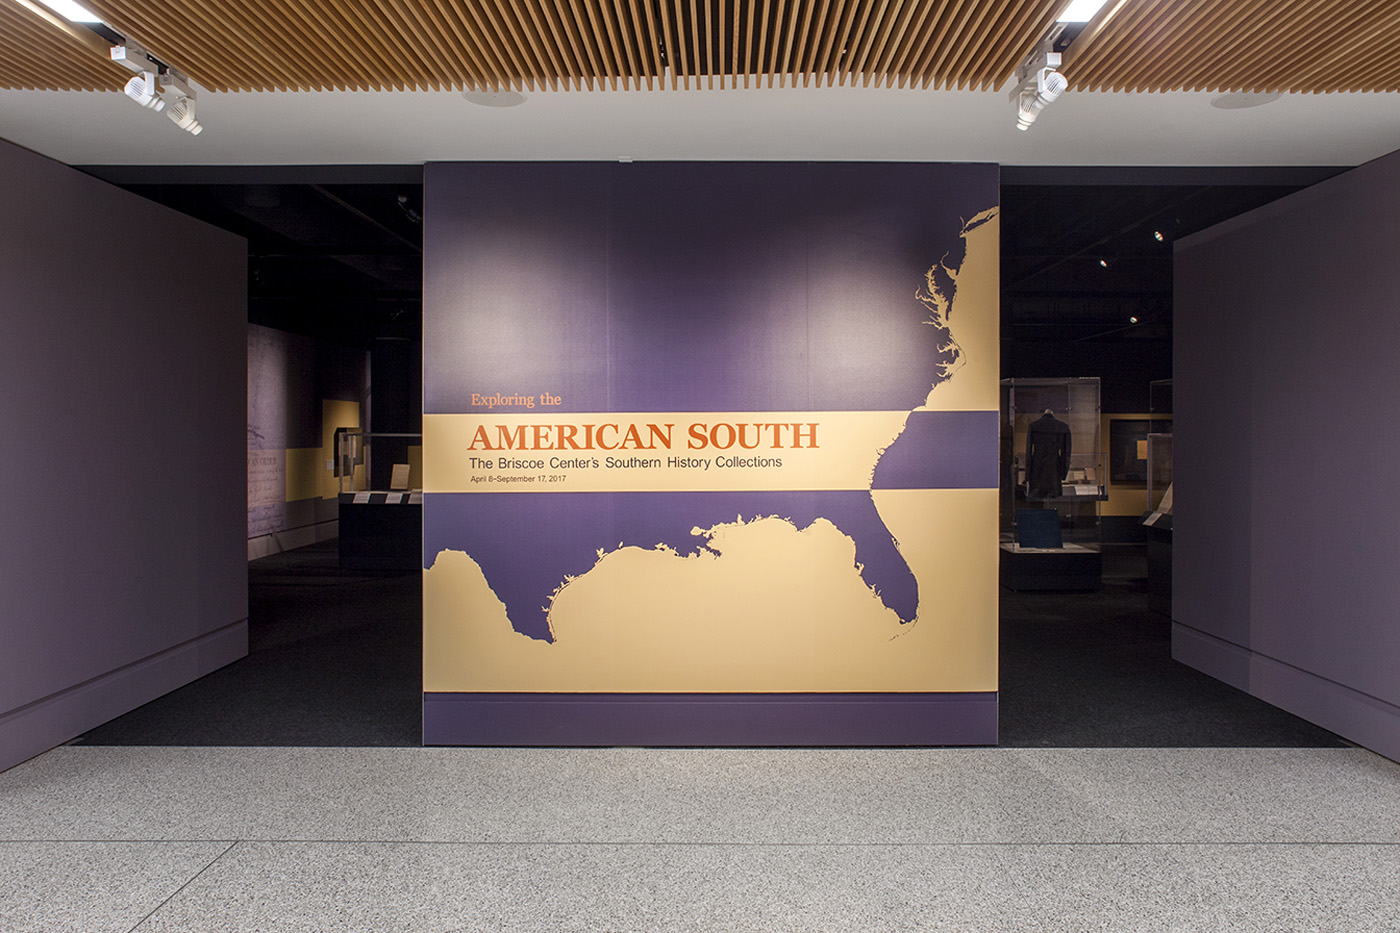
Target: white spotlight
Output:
{"points": [[1038, 89], [176, 93], [143, 89], [181, 114], [158, 86]]}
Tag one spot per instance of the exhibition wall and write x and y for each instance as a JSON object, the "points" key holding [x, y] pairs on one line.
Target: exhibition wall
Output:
{"points": [[299, 391], [122, 565], [710, 453], [1286, 381]]}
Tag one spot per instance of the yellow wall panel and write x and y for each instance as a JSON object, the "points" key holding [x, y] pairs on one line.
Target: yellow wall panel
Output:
{"points": [[305, 468]]}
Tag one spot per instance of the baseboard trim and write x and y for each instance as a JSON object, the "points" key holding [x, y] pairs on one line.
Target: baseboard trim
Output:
{"points": [[46, 723], [721, 719], [1358, 717]]}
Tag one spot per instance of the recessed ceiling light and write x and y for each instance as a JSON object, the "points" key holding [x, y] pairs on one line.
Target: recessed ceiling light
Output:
{"points": [[1158, 236], [495, 98], [1103, 263], [1080, 11], [71, 11], [1243, 101]]}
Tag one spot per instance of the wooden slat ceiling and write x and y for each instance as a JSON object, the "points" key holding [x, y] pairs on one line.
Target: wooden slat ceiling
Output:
{"points": [[535, 45]]}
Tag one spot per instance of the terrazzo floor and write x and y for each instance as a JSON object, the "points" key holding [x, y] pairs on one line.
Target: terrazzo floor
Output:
{"points": [[96, 839]]}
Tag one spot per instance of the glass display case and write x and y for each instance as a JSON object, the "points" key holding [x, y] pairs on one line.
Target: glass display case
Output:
{"points": [[1159, 473], [367, 462], [1159, 447], [381, 498], [1053, 476]]}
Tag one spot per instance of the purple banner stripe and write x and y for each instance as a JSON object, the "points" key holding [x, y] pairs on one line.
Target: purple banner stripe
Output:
{"points": [[942, 450], [738, 719]]}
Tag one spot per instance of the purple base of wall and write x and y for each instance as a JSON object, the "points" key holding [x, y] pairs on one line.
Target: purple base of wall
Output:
{"points": [[1356, 716], [39, 726], [695, 719]]}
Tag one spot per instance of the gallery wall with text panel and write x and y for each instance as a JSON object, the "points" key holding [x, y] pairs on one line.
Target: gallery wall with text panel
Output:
{"points": [[710, 453]]}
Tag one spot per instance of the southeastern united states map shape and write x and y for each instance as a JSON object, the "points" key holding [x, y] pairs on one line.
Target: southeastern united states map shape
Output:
{"points": [[763, 607], [526, 569], [528, 545]]}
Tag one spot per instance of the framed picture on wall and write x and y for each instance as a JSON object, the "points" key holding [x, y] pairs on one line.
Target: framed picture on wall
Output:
{"points": [[1127, 449]]}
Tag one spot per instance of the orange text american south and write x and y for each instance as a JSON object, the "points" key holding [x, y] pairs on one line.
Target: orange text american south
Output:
{"points": [[770, 435]]}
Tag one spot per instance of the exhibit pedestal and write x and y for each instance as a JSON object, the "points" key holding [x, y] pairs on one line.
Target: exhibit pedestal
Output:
{"points": [[1072, 567], [381, 531]]}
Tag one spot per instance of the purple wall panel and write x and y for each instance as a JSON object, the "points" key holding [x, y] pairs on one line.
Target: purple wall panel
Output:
{"points": [[543, 332], [1286, 369], [1212, 369], [122, 373], [689, 287]]}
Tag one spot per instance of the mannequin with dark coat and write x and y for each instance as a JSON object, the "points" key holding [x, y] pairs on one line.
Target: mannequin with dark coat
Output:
{"points": [[1047, 457]]}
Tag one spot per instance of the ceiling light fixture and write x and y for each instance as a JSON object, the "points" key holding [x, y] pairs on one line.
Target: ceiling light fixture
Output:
{"points": [[1159, 236], [1080, 11], [71, 11], [1079, 24], [1038, 84], [154, 84], [144, 88], [175, 90], [157, 86]]}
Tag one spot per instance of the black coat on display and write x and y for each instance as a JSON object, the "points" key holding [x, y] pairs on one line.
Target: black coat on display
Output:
{"points": [[1047, 457]]}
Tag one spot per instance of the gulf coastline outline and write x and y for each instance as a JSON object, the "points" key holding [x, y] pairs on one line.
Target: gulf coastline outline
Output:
{"points": [[528, 582]]}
